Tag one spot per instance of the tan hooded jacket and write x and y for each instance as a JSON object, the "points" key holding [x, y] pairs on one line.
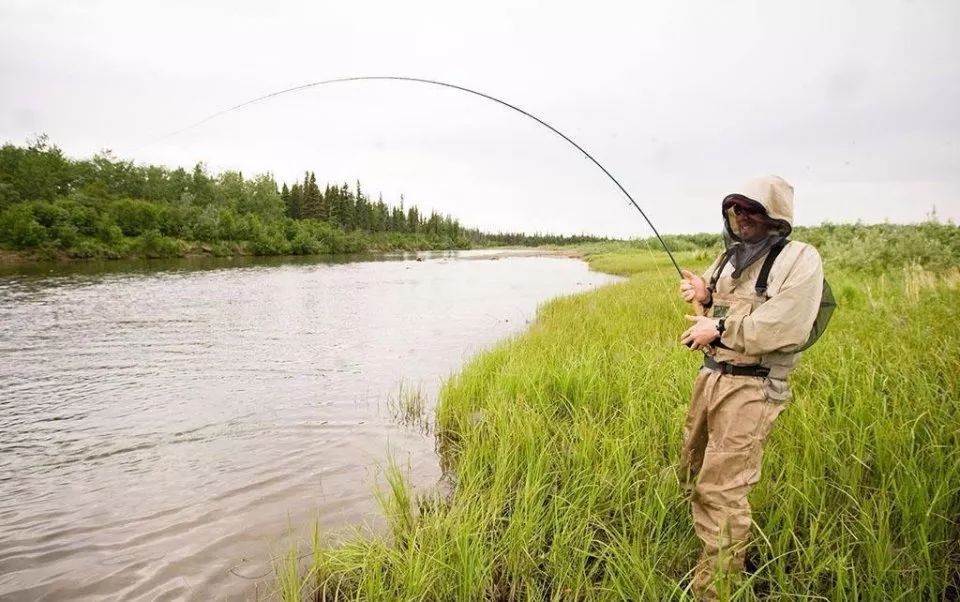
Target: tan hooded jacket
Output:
{"points": [[768, 329]]}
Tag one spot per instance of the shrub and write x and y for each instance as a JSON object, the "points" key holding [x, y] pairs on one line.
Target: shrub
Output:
{"points": [[155, 245], [173, 222], [88, 248], [204, 224], [270, 243], [19, 227], [106, 231], [221, 249], [64, 235], [48, 214], [83, 218], [135, 217], [305, 244]]}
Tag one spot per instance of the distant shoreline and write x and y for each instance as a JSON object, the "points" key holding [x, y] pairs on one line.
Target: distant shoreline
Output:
{"points": [[12, 258]]}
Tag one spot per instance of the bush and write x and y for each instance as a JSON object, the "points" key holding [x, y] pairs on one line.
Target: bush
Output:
{"points": [[19, 227], [135, 217], [83, 218], [204, 224], [221, 249], [305, 244], [230, 227], [88, 248], [106, 231], [64, 235], [878, 247], [270, 243], [49, 215], [8, 195], [155, 245], [173, 222]]}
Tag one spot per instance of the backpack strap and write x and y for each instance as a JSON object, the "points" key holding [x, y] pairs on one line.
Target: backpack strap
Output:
{"points": [[767, 265], [712, 287]]}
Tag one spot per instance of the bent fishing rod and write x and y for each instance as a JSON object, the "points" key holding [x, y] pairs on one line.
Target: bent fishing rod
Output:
{"points": [[453, 87]]}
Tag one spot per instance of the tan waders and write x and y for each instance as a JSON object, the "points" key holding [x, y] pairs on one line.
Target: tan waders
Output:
{"points": [[729, 420], [730, 416]]}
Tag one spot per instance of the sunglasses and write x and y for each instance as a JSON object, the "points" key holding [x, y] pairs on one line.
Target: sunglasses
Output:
{"points": [[738, 210]]}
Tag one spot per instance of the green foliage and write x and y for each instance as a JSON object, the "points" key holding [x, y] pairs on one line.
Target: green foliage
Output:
{"points": [[38, 171], [135, 217], [155, 245], [875, 248], [20, 228], [270, 241], [108, 232], [222, 249], [106, 207], [65, 235], [50, 215], [205, 224], [88, 248]]}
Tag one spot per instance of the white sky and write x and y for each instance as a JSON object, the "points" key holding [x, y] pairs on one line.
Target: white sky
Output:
{"points": [[855, 103]]}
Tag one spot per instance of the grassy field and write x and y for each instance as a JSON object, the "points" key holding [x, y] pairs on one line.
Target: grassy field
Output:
{"points": [[563, 442]]}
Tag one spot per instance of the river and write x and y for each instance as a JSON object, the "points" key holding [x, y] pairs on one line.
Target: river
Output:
{"points": [[167, 426]]}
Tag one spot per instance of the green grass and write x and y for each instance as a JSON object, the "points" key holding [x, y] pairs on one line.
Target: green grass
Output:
{"points": [[409, 407], [563, 444]]}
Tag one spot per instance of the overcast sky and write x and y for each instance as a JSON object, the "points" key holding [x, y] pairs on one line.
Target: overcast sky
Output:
{"points": [[855, 103]]}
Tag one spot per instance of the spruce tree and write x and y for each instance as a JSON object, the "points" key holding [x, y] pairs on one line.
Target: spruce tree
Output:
{"points": [[312, 199], [295, 207], [285, 197]]}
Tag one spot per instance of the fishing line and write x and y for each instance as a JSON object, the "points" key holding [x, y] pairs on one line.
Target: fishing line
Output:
{"points": [[445, 85]]}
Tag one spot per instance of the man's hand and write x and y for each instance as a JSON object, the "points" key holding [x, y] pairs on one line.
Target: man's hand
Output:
{"points": [[700, 334], [693, 288]]}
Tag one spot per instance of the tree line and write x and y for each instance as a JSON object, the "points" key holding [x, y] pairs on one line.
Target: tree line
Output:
{"points": [[108, 207]]}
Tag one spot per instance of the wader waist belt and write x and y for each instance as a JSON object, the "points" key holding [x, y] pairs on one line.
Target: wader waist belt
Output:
{"points": [[725, 368]]}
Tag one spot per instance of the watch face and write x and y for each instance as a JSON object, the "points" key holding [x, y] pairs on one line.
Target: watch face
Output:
{"points": [[720, 311]]}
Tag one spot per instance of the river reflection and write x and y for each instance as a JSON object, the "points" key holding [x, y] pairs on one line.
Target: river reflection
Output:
{"points": [[164, 422]]}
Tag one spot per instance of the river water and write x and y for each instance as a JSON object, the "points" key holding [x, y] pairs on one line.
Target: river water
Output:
{"points": [[167, 426]]}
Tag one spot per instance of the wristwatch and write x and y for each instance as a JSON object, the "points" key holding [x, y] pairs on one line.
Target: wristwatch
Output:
{"points": [[721, 326]]}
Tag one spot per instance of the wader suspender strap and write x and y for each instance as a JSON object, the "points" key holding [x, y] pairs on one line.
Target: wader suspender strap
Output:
{"points": [[767, 265], [712, 287]]}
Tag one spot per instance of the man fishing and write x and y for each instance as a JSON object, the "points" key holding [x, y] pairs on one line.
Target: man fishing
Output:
{"points": [[760, 299]]}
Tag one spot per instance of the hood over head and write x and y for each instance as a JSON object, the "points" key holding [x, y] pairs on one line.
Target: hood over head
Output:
{"points": [[772, 197]]}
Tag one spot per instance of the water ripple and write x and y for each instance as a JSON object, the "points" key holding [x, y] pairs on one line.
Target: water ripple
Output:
{"points": [[159, 427]]}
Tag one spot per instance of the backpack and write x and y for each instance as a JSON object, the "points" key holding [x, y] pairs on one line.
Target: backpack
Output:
{"points": [[827, 301]]}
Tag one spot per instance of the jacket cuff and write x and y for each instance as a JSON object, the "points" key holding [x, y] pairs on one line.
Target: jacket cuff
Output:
{"points": [[731, 328]]}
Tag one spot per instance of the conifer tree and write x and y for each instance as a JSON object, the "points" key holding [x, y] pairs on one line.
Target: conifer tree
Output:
{"points": [[347, 208], [295, 206], [362, 220], [380, 216], [311, 197], [333, 206], [413, 219], [285, 197]]}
